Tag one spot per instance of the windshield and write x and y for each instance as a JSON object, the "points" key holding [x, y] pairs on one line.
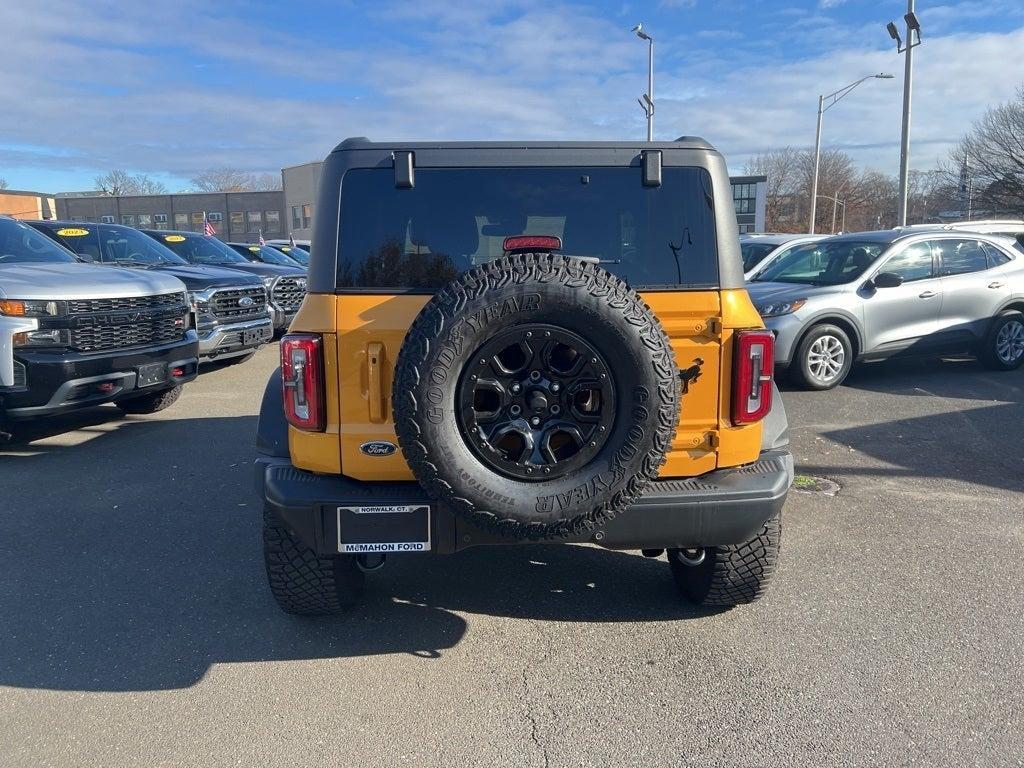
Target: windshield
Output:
{"points": [[823, 263], [418, 239], [20, 244], [296, 254], [112, 244], [755, 253], [270, 255], [199, 249]]}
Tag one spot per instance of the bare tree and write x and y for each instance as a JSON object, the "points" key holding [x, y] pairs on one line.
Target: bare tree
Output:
{"points": [[120, 182], [3, 183], [991, 158], [234, 180], [267, 182], [781, 167]]}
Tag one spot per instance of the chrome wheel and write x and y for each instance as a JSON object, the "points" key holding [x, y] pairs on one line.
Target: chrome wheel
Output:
{"points": [[826, 359], [1010, 342]]}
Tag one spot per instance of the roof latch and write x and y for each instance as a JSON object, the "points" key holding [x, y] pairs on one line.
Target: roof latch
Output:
{"points": [[650, 159], [404, 178]]}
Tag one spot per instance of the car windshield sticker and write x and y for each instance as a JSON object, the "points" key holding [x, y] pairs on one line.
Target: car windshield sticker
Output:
{"points": [[72, 232], [254, 248], [174, 239]]}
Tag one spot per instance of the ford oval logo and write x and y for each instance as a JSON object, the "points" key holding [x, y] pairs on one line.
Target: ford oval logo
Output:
{"points": [[245, 301], [378, 448]]}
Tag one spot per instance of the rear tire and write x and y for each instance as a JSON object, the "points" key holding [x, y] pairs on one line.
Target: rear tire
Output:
{"points": [[302, 582], [823, 358], [150, 403], [1003, 348], [730, 575]]}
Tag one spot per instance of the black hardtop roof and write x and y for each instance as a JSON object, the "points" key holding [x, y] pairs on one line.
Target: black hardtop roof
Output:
{"points": [[683, 142]]}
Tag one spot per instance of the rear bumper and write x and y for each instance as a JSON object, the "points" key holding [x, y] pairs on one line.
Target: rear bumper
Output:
{"points": [[726, 506], [228, 340], [63, 381]]}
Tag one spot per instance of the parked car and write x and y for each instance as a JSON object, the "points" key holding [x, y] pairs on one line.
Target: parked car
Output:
{"points": [[1011, 227], [74, 335], [286, 286], [760, 250], [472, 367], [871, 295], [264, 254], [229, 308], [299, 251]]}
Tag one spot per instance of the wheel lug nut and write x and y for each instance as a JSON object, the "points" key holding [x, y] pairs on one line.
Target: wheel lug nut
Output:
{"points": [[516, 388], [556, 387], [547, 470], [535, 421], [534, 375], [529, 334], [515, 410], [556, 409]]}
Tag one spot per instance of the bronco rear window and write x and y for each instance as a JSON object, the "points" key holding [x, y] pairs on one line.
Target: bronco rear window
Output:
{"points": [[417, 240]]}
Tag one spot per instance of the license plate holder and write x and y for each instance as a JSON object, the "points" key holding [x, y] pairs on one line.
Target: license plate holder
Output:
{"points": [[150, 375], [253, 336], [385, 529]]}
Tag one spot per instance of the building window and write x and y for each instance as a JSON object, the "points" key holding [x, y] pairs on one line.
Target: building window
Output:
{"points": [[254, 221], [307, 216], [237, 223], [273, 221], [107, 219], [128, 219], [159, 221], [296, 221], [198, 222], [744, 197], [145, 221], [215, 216], [181, 221]]}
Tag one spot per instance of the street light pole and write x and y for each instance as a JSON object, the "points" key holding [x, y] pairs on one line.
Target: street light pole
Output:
{"points": [[647, 101], [913, 29], [833, 99]]}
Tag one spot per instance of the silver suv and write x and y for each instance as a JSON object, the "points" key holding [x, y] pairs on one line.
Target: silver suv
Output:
{"points": [[872, 295]]}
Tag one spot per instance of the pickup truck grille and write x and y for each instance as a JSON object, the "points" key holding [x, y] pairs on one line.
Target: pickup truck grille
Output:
{"points": [[86, 306], [239, 303], [103, 337], [97, 325], [289, 293]]}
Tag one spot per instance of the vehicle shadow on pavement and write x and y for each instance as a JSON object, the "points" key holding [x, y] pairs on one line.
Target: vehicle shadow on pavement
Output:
{"points": [[917, 445], [132, 561]]}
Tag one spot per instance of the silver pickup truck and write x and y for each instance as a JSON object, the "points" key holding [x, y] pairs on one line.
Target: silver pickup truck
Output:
{"points": [[74, 335]]}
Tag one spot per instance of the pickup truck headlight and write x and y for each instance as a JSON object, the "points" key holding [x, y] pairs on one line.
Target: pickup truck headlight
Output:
{"points": [[31, 308], [49, 337], [780, 308]]}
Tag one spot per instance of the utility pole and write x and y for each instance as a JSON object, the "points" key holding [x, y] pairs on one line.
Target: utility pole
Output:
{"points": [[913, 30], [832, 99], [647, 101]]}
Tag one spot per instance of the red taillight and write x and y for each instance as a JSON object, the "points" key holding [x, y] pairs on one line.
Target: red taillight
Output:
{"points": [[752, 369], [177, 372], [532, 243], [302, 375]]}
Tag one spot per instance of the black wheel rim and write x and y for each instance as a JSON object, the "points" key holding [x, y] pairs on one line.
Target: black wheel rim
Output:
{"points": [[536, 402]]}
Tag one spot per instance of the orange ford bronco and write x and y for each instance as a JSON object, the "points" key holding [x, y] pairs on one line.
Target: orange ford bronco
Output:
{"points": [[506, 343]]}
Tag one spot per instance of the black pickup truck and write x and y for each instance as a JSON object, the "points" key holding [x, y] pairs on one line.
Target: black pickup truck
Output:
{"points": [[230, 309]]}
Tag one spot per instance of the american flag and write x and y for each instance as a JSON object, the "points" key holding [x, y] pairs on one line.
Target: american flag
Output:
{"points": [[291, 240], [262, 241], [208, 227]]}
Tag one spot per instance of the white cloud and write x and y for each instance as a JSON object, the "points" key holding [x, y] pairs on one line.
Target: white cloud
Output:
{"points": [[92, 91]]}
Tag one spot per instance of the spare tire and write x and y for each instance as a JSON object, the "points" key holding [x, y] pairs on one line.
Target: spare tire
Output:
{"points": [[536, 395]]}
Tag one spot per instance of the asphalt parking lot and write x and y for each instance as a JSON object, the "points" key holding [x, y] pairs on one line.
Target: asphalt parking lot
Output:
{"points": [[138, 630]]}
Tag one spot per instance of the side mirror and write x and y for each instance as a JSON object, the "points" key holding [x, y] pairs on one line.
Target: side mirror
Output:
{"points": [[85, 257], [887, 280]]}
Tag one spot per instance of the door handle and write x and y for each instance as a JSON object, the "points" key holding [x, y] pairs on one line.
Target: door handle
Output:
{"points": [[374, 380], [927, 295], [996, 284]]}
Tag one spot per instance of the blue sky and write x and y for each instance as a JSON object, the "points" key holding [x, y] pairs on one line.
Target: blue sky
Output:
{"points": [[170, 91]]}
